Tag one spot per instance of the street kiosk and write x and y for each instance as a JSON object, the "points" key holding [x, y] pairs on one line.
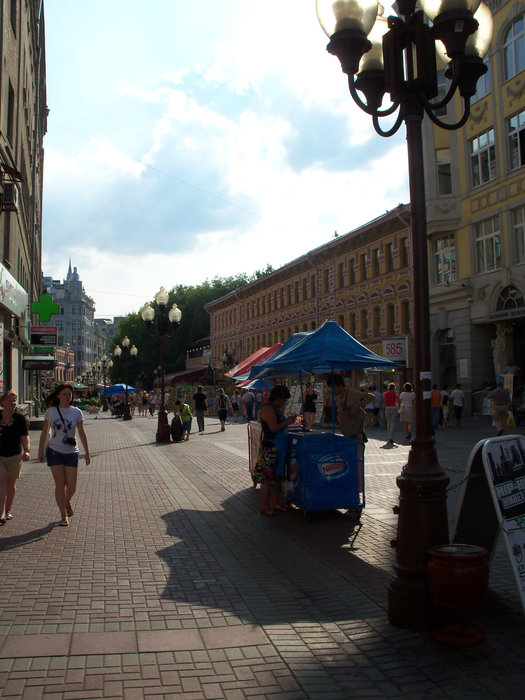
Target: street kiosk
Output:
{"points": [[324, 471]]}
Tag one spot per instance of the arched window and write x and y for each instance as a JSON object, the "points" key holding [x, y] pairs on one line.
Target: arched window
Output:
{"points": [[509, 298], [514, 48]]}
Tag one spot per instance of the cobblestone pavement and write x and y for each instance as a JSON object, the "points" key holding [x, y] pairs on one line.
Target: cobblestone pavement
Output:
{"points": [[169, 583]]}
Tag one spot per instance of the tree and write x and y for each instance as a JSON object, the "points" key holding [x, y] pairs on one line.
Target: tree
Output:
{"points": [[195, 325]]}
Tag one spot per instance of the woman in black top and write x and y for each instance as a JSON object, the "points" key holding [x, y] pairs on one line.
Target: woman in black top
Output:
{"points": [[14, 449], [309, 406]]}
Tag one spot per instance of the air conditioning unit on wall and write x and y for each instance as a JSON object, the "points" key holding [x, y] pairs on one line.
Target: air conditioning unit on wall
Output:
{"points": [[9, 197]]}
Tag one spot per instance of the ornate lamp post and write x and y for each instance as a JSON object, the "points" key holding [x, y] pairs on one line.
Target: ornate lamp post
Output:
{"points": [[127, 353], [398, 56], [164, 319]]}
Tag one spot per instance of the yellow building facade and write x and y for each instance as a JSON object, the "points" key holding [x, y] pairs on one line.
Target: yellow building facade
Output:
{"points": [[361, 280], [475, 186]]}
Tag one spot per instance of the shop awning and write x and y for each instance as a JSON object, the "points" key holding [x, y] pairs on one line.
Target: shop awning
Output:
{"points": [[38, 362], [256, 358], [186, 375]]}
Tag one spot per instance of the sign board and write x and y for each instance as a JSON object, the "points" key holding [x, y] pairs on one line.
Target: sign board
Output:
{"points": [[493, 500], [38, 362], [395, 349], [43, 349], [12, 295], [44, 335]]}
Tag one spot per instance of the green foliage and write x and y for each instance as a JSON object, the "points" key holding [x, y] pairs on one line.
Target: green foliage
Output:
{"points": [[194, 326]]}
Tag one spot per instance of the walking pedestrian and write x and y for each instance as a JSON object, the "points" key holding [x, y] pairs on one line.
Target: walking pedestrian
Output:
{"points": [[458, 401], [14, 449], [247, 402], [309, 409], [435, 407], [406, 408], [62, 451], [235, 403], [502, 403], [222, 404], [390, 403], [199, 407]]}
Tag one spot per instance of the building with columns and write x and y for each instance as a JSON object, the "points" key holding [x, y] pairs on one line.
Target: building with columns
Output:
{"points": [[475, 186], [361, 280]]}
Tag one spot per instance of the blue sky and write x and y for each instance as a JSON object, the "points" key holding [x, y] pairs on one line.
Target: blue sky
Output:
{"points": [[193, 139]]}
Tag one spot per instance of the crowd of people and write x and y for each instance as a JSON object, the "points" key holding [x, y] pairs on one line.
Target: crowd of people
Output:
{"points": [[353, 410]]}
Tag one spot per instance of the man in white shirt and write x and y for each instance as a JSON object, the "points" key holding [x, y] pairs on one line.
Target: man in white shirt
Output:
{"points": [[458, 401]]}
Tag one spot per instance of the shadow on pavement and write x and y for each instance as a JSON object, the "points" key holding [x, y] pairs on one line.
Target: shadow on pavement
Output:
{"points": [[266, 569], [13, 541]]}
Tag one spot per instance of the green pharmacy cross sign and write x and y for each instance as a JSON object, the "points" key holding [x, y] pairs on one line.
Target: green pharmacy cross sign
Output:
{"points": [[45, 307]]}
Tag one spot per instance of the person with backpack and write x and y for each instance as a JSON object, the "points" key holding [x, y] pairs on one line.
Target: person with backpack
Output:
{"points": [[186, 417], [222, 404]]}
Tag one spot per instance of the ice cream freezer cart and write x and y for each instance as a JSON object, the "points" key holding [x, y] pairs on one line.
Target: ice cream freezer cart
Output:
{"points": [[324, 471]]}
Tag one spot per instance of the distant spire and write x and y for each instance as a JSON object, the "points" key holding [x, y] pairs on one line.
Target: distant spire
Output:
{"points": [[69, 272]]}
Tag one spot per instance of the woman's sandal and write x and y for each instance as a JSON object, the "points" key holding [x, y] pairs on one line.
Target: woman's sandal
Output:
{"points": [[280, 509], [64, 522], [266, 511]]}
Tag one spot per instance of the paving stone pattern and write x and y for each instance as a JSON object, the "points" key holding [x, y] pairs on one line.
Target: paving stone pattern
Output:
{"points": [[169, 583]]}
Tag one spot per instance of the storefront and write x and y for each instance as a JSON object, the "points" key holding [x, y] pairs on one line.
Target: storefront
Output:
{"points": [[13, 313]]}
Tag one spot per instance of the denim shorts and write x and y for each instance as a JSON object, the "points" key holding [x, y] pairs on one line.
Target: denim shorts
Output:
{"points": [[55, 459]]}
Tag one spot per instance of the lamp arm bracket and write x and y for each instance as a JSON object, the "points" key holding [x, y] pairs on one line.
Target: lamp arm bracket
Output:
{"points": [[362, 105], [392, 130], [455, 71], [445, 125]]}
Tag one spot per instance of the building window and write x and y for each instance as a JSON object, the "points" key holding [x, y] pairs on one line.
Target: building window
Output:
{"points": [[341, 321], [488, 245], [312, 287], [483, 158], [376, 322], [325, 281], [390, 319], [442, 86], [10, 112], [341, 275], [514, 48], [404, 252], [351, 325], [364, 323], [484, 84], [364, 264], [351, 268], [518, 231], [376, 261], [445, 258], [516, 131], [444, 171], [389, 257], [405, 317]]}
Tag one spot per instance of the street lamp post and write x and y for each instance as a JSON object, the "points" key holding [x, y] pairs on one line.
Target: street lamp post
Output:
{"points": [[398, 56], [164, 319], [127, 353]]}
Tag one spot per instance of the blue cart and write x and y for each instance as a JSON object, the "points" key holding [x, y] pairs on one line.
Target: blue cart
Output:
{"points": [[325, 472]]}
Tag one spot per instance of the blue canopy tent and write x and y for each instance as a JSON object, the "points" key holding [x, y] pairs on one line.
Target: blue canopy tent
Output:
{"points": [[117, 389], [326, 350]]}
